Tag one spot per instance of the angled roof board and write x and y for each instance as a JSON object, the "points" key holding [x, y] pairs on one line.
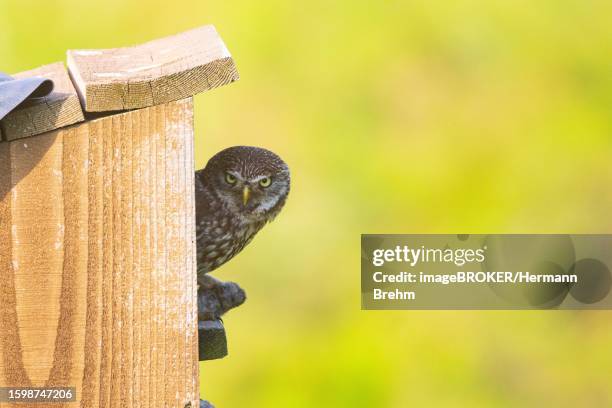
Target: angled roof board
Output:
{"points": [[105, 81], [39, 115], [156, 72]]}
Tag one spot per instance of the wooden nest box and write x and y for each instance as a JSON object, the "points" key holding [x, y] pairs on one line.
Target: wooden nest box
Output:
{"points": [[97, 225]]}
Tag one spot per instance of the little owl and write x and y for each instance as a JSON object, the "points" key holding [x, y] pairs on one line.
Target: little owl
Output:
{"points": [[240, 190]]}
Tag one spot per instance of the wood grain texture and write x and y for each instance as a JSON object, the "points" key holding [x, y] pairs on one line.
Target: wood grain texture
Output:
{"points": [[58, 109], [156, 72], [97, 260]]}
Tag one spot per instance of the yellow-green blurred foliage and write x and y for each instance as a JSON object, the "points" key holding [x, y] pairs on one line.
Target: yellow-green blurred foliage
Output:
{"points": [[395, 116]]}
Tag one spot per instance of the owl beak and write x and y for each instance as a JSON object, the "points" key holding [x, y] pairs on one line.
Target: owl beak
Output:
{"points": [[246, 193]]}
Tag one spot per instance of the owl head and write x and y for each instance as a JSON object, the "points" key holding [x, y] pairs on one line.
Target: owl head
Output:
{"points": [[251, 182]]}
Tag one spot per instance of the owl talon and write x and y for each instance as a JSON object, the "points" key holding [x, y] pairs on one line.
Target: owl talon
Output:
{"points": [[215, 298], [231, 295]]}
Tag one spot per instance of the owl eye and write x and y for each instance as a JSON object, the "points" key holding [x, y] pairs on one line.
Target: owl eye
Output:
{"points": [[265, 182], [230, 179]]}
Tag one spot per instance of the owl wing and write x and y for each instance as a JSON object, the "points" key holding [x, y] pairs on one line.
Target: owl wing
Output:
{"points": [[203, 200], [207, 208]]}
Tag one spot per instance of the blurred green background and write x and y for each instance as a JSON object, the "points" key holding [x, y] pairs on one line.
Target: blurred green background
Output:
{"points": [[395, 117]]}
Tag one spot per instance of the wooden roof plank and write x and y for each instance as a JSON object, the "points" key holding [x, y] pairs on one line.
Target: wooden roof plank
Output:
{"points": [[153, 73], [39, 115]]}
